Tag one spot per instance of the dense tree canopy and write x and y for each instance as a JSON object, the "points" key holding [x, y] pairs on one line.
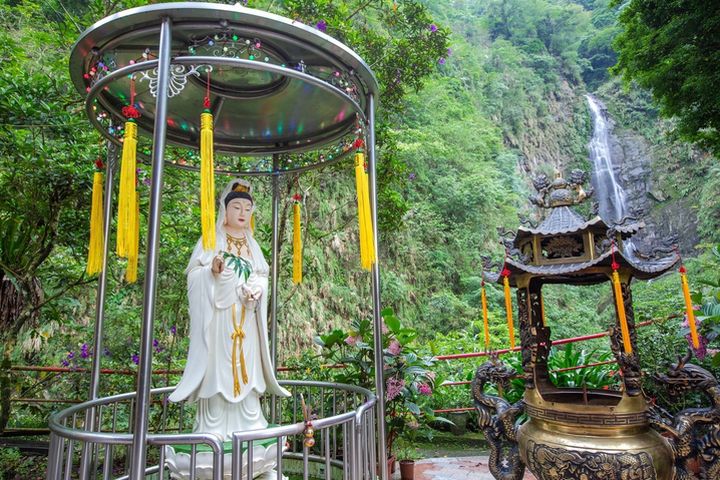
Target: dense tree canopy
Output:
{"points": [[673, 49]]}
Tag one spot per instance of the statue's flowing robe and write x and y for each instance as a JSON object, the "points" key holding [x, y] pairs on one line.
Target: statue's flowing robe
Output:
{"points": [[208, 376]]}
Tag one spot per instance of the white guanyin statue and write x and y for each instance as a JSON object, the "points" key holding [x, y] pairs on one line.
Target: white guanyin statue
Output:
{"points": [[228, 365]]}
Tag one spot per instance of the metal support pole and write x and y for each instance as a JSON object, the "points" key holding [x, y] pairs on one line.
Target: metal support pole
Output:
{"points": [[140, 423], [377, 320], [110, 160], [54, 455], [275, 271]]}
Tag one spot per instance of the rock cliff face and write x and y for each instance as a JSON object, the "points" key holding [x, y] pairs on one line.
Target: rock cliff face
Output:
{"points": [[635, 161], [665, 217], [554, 136]]}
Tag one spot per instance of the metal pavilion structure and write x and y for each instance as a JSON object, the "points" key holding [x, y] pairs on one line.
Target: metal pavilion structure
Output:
{"points": [[278, 88]]}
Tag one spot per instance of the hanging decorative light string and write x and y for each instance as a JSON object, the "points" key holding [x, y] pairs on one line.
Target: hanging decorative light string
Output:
{"points": [[97, 234], [207, 172], [689, 312], [619, 302], [127, 224]]}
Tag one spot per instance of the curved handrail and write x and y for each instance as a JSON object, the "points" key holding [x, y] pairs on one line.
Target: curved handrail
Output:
{"points": [[56, 419]]}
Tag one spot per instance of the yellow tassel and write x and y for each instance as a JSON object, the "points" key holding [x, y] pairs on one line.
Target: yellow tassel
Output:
{"points": [[509, 312], [369, 237], [237, 336], [252, 223], [127, 199], [97, 235], [365, 226], [297, 245], [486, 323], [133, 252], [690, 312], [542, 310], [359, 178], [621, 312], [207, 181]]}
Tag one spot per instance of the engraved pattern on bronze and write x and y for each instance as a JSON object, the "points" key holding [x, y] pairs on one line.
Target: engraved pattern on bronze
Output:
{"points": [[548, 463], [566, 246], [540, 347], [629, 364], [527, 337], [695, 431], [522, 254], [602, 245], [496, 418], [534, 337], [594, 419]]}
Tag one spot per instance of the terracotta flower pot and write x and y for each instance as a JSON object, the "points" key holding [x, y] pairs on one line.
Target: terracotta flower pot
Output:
{"points": [[407, 469]]}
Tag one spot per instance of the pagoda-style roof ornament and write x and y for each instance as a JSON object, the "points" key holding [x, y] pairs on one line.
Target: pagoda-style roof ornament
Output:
{"points": [[560, 192], [567, 248]]}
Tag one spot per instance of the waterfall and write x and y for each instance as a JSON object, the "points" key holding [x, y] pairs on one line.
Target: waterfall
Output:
{"points": [[608, 192]]}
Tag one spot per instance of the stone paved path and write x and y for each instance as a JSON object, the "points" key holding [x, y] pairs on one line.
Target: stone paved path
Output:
{"points": [[455, 468]]}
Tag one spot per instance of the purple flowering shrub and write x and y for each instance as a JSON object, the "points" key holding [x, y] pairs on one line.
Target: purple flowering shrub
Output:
{"points": [[409, 381]]}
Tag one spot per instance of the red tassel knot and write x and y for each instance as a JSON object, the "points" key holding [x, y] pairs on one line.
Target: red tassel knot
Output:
{"points": [[505, 272], [297, 197], [614, 265], [130, 112], [358, 143]]}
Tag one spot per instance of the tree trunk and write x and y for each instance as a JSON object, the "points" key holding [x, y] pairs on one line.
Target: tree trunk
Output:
{"points": [[16, 308], [5, 390], [11, 303]]}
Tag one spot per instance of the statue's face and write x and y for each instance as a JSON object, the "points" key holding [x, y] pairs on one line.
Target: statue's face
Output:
{"points": [[238, 212]]}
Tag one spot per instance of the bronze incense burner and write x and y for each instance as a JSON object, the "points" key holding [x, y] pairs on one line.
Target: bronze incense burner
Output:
{"points": [[587, 434]]}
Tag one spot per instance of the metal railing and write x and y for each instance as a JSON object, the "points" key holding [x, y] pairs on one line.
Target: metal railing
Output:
{"points": [[345, 444]]}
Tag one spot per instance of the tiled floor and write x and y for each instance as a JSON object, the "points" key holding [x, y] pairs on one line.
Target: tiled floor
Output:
{"points": [[457, 468]]}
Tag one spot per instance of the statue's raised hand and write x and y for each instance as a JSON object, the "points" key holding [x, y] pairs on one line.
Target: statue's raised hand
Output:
{"points": [[218, 265]]}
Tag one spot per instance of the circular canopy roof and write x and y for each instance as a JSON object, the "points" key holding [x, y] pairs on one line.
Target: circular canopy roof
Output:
{"points": [[275, 85]]}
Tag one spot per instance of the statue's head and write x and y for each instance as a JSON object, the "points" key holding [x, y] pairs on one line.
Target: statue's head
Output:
{"points": [[239, 205]]}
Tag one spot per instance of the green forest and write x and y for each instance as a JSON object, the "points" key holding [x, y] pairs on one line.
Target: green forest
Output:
{"points": [[476, 99]]}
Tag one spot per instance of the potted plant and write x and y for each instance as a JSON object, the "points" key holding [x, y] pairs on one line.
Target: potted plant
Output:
{"points": [[409, 382], [407, 456]]}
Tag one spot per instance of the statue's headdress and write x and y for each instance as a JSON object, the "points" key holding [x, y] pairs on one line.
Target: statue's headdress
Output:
{"points": [[240, 189]]}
